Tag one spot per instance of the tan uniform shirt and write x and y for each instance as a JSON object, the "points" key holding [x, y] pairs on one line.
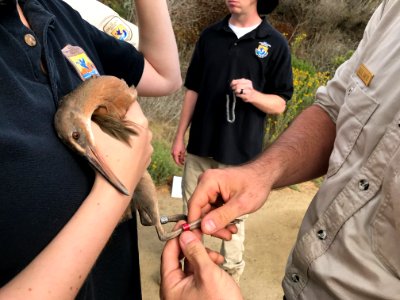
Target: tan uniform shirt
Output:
{"points": [[348, 246], [106, 19]]}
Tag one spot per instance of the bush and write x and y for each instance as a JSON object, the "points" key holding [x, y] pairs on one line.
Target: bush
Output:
{"points": [[332, 27], [162, 167], [305, 81]]}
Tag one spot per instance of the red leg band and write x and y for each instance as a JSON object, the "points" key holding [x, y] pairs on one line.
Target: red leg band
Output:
{"points": [[186, 227]]}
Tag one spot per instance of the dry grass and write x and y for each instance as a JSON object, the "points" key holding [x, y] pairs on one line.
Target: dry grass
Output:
{"points": [[332, 27]]}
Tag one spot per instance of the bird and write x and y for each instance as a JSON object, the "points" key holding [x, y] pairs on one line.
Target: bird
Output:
{"points": [[105, 100]]}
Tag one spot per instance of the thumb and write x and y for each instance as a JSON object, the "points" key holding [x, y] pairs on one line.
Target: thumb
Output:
{"points": [[194, 251], [220, 217]]}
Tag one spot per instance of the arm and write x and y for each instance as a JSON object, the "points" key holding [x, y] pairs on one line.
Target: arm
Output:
{"points": [[301, 153], [161, 74], [178, 147], [60, 269], [268, 103]]}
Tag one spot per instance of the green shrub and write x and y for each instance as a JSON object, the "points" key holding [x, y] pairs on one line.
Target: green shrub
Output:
{"points": [[162, 167], [306, 80]]}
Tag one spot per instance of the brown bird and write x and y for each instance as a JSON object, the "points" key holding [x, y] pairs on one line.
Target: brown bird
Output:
{"points": [[105, 100]]}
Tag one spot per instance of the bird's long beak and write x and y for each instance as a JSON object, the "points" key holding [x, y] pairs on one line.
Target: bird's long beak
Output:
{"points": [[97, 162]]}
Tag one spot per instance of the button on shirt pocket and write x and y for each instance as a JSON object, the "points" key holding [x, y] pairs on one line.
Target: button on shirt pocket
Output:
{"points": [[354, 114]]}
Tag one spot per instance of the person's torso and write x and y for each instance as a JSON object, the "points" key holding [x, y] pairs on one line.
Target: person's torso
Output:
{"points": [[348, 244], [224, 126], [43, 182]]}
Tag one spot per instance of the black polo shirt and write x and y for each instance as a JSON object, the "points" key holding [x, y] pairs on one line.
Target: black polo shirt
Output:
{"points": [[262, 56], [42, 182]]}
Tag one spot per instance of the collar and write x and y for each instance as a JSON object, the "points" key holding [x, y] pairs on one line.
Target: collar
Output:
{"points": [[261, 31], [37, 14]]}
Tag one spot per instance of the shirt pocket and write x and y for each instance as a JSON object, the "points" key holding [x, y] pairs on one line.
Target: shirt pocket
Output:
{"points": [[386, 223], [354, 114]]}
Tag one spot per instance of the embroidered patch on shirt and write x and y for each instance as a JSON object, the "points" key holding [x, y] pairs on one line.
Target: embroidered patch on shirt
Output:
{"points": [[117, 28], [80, 61], [262, 49], [364, 74]]}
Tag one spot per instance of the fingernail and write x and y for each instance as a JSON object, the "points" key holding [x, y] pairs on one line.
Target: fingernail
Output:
{"points": [[210, 226], [187, 237]]}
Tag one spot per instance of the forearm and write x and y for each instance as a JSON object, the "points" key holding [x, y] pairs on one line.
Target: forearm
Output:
{"points": [[189, 103], [301, 153], [60, 269], [268, 103], [157, 43]]}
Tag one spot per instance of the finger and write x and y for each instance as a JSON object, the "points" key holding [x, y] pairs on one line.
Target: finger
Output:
{"points": [[195, 252], [219, 218], [205, 193], [176, 158], [215, 257], [170, 259], [226, 233]]}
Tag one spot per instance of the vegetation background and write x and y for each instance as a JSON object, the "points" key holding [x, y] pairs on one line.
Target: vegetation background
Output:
{"points": [[322, 34]]}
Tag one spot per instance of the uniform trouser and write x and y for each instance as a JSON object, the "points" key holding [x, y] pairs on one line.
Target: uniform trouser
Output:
{"points": [[232, 250]]}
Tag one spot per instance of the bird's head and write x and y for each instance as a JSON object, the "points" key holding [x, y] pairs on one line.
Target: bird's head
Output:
{"points": [[74, 129]]}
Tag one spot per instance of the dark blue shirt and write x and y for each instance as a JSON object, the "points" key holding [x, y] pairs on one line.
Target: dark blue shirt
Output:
{"points": [[231, 131], [42, 182]]}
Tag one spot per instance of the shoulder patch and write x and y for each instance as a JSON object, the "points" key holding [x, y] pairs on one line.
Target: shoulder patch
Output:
{"points": [[117, 28], [81, 62]]}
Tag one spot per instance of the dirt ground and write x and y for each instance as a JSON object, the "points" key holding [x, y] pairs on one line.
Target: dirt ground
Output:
{"points": [[270, 234]]}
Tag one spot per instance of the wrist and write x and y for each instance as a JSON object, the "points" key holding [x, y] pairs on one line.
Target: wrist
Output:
{"points": [[104, 191]]}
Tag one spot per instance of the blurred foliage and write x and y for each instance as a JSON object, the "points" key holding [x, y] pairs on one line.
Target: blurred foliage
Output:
{"points": [[306, 80], [162, 167]]}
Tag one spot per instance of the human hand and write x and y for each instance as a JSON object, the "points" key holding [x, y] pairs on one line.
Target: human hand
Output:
{"points": [[128, 163], [202, 278], [178, 151], [242, 189], [243, 88]]}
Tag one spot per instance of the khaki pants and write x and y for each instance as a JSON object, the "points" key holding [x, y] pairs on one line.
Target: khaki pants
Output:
{"points": [[232, 250]]}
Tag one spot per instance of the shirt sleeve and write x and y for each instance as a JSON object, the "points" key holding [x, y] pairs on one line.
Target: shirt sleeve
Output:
{"points": [[332, 96], [118, 58], [106, 19], [279, 77], [195, 71]]}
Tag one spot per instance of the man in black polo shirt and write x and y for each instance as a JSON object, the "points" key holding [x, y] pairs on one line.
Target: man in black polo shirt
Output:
{"points": [[56, 214], [240, 71]]}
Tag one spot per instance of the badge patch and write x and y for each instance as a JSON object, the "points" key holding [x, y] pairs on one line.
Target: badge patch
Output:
{"points": [[80, 61], [364, 74], [262, 49], [118, 29]]}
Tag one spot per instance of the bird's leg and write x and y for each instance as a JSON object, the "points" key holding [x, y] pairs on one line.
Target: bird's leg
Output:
{"points": [[145, 201], [165, 236]]}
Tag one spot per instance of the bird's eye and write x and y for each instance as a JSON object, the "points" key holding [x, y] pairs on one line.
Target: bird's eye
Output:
{"points": [[75, 135]]}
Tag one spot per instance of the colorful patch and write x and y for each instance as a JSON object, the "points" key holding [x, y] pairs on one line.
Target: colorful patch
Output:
{"points": [[80, 61], [117, 28], [262, 49]]}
